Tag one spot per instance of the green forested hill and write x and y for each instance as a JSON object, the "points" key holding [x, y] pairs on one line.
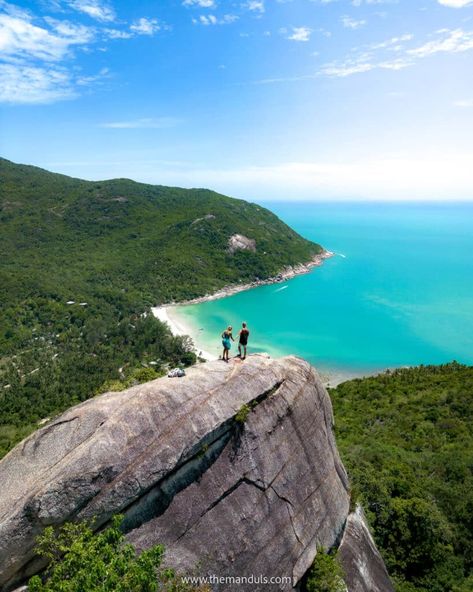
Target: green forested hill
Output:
{"points": [[78, 237], [406, 438], [116, 247]]}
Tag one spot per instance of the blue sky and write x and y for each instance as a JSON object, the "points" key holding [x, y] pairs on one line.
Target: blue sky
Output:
{"points": [[260, 99]]}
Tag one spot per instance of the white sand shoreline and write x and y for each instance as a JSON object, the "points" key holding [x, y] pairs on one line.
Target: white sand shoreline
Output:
{"points": [[178, 326]]}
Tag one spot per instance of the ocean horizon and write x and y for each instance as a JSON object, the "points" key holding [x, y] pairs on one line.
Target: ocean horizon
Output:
{"points": [[398, 292]]}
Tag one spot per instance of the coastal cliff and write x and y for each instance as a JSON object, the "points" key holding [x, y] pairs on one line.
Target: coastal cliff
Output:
{"points": [[234, 468]]}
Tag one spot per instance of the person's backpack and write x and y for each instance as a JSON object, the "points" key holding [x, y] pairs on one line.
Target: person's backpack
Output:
{"points": [[176, 373]]}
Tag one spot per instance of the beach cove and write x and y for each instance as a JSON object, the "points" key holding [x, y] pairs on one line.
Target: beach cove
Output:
{"points": [[179, 325], [398, 292]]}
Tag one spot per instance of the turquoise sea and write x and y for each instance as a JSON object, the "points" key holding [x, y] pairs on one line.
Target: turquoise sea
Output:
{"points": [[399, 292]]}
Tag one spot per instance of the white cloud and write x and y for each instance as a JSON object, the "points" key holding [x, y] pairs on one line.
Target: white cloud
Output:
{"points": [[200, 3], [441, 175], [350, 23], [94, 8], [32, 53], [380, 55], [414, 176], [363, 64], [25, 84], [394, 44], [211, 19], [117, 34], [393, 54], [347, 69], [256, 6], [389, 178], [396, 64], [144, 26], [144, 123], [380, 178], [300, 34], [36, 53], [455, 3], [208, 20], [94, 78], [227, 19], [360, 2], [13, 10], [20, 38], [451, 41]]}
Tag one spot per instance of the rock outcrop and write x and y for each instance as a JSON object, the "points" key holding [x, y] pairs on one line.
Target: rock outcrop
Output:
{"points": [[238, 242], [234, 468], [363, 566]]}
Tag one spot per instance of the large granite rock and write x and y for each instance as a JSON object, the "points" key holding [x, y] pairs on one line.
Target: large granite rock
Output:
{"points": [[227, 497], [363, 566]]}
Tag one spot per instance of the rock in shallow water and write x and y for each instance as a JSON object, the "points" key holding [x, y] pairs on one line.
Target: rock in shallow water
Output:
{"points": [[233, 467]]}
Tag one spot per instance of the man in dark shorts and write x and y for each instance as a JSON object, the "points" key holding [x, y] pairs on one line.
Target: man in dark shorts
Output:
{"points": [[243, 341]]}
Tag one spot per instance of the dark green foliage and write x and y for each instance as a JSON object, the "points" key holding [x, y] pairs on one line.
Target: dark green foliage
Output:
{"points": [[325, 575], [244, 411], [60, 370], [120, 247], [406, 438], [81, 239], [242, 414], [80, 561]]}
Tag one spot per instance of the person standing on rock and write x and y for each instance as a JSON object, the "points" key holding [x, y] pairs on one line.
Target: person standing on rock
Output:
{"points": [[226, 336], [243, 340]]}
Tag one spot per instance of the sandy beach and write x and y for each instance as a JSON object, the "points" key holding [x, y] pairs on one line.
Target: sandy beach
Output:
{"points": [[178, 326]]}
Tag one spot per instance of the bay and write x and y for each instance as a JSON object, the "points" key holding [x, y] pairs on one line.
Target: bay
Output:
{"points": [[399, 292]]}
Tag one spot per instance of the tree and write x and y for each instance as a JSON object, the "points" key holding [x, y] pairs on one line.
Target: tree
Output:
{"points": [[79, 560], [326, 574]]}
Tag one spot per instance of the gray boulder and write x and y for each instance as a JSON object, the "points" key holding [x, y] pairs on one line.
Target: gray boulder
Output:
{"points": [[363, 566], [233, 467], [238, 242]]}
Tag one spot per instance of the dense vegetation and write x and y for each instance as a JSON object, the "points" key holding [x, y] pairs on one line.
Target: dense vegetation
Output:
{"points": [[112, 249], [325, 575], [406, 438], [80, 561]]}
